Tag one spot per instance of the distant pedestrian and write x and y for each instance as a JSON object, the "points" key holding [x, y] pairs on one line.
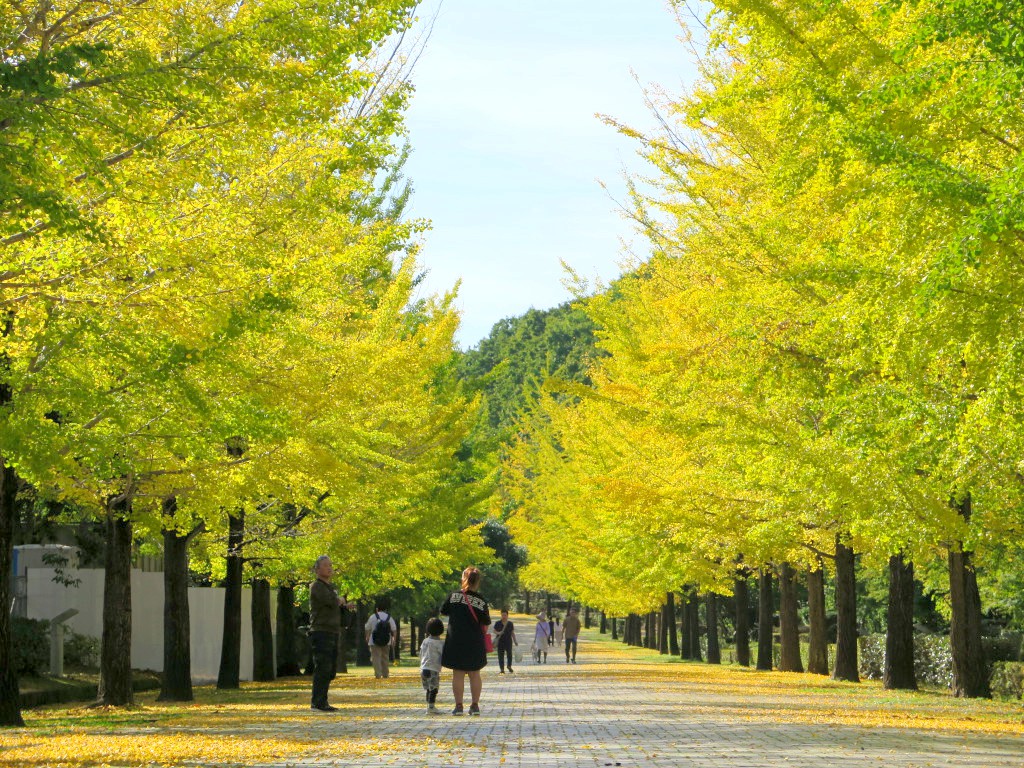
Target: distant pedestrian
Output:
{"points": [[464, 649], [505, 638], [571, 631], [430, 662], [541, 638], [324, 629], [380, 636]]}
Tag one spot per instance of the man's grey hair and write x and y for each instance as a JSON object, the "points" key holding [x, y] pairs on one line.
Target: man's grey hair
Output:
{"points": [[319, 561]]}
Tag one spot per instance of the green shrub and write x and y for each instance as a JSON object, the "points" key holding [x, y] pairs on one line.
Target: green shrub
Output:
{"points": [[933, 660], [871, 656], [1008, 679], [31, 641], [1005, 647], [81, 651]]}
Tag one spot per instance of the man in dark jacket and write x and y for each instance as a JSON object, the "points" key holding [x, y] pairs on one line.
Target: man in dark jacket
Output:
{"points": [[571, 631], [324, 631]]}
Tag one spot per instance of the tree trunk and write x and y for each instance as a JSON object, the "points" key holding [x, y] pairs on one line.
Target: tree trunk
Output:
{"points": [[765, 624], [263, 667], [652, 631], [695, 651], [741, 594], [345, 640], [714, 648], [231, 640], [526, 600], [663, 629], [670, 620], [846, 615], [287, 648], [398, 639], [899, 633], [10, 705], [685, 650], [817, 653], [362, 649], [789, 622], [615, 628], [115, 687], [176, 683], [586, 617], [970, 676], [604, 624], [551, 612]]}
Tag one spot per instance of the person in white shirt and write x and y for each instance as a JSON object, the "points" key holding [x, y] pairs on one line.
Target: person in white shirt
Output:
{"points": [[381, 639], [430, 662]]}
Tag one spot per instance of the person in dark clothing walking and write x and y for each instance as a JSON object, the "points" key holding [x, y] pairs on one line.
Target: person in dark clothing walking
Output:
{"points": [[571, 631], [505, 636], [464, 650], [324, 630]]}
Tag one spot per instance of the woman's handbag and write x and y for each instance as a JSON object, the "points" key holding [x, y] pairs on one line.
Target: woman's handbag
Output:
{"points": [[488, 641]]}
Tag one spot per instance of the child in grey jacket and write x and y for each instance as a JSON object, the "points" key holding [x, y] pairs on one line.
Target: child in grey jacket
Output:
{"points": [[430, 662]]}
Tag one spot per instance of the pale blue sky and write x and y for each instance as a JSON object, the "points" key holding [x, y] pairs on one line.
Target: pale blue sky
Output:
{"points": [[507, 151]]}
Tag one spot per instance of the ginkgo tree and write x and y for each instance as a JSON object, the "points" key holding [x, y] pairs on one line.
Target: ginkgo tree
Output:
{"points": [[824, 329], [203, 317]]}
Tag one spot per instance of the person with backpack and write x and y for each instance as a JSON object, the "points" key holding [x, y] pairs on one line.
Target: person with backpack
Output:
{"points": [[465, 651], [380, 636]]}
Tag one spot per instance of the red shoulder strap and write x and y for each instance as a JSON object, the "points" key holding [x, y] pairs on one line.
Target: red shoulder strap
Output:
{"points": [[465, 600]]}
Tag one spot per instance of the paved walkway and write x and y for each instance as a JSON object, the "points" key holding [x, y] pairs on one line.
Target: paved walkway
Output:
{"points": [[558, 715]]}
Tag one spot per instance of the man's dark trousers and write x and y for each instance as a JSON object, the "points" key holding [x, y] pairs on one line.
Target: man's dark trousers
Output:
{"points": [[325, 659], [505, 656]]}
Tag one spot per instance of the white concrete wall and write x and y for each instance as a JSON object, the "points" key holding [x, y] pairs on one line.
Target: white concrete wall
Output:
{"points": [[46, 599]]}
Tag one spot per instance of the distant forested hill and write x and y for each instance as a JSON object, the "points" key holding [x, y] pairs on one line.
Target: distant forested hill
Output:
{"points": [[507, 368], [521, 353]]}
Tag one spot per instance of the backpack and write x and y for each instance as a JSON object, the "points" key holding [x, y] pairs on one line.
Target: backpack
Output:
{"points": [[381, 634]]}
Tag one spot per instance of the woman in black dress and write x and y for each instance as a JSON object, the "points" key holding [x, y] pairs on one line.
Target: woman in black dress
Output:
{"points": [[464, 652]]}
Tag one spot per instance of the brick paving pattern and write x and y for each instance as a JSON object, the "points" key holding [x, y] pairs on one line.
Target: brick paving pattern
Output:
{"points": [[564, 716]]}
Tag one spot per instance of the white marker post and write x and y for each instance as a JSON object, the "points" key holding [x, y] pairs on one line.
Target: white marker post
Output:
{"points": [[57, 641]]}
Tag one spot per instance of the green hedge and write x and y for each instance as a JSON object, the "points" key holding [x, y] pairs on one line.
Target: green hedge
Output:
{"points": [[1005, 647], [1008, 679], [31, 641], [81, 651], [933, 660]]}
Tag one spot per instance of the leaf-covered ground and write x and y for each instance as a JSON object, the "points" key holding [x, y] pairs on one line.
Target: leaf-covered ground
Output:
{"points": [[384, 721]]}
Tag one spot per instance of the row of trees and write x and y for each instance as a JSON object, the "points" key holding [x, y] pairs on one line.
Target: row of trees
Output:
{"points": [[208, 336], [822, 356]]}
